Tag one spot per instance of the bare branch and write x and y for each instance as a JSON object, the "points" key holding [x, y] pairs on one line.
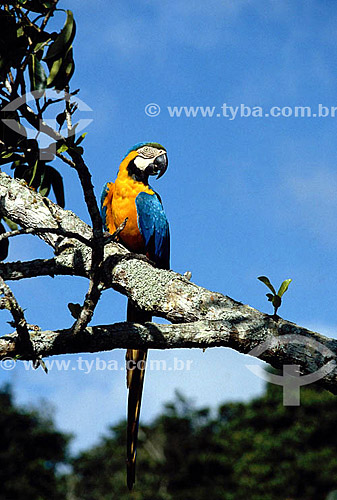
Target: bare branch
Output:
{"points": [[284, 342], [66, 160], [49, 14], [90, 302], [13, 271]]}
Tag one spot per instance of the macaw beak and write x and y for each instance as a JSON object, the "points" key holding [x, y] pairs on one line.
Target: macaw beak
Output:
{"points": [[161, 163]]}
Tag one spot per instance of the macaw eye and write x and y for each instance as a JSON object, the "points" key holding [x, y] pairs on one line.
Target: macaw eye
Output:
{"points": [[148, 152]]}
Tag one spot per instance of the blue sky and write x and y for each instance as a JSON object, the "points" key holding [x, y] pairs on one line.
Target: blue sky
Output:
{"points": [[244, 197]]}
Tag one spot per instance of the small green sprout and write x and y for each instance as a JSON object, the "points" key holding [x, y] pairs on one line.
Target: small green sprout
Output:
{"points": [[275, 298]]}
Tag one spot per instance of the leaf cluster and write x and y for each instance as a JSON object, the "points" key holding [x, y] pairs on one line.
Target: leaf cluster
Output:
{"points": [[275, 298], [32, 55]]}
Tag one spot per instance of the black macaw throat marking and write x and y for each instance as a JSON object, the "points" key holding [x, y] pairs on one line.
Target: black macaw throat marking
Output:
{"points": [[138, 174]]}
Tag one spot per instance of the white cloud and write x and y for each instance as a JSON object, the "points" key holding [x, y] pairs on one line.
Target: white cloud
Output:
{"points": [[311, 200]]}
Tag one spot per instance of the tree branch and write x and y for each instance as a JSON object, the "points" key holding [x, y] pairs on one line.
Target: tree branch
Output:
{"points": [[281, 342], [13, 271], [215, 320]]}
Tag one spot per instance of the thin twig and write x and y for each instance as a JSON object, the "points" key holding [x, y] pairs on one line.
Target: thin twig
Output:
{"points": [[18, 317], [68, 111], [20, 12], [48, 16], [26, 347], [66, 160], [49, 102], [39, 124], [90, 302]]}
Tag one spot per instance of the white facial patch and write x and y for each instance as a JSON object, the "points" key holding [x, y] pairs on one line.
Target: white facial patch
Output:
{"points": [[141, 163]]}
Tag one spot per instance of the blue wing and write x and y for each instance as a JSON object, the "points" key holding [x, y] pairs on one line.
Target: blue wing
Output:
{"points": [[105, 192], [154, 228]]}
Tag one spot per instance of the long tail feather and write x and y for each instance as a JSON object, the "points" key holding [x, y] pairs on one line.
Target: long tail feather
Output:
{"points": [[136, 360]]}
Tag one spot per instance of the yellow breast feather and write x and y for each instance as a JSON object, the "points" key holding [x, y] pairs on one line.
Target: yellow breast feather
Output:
{"points": [[121, 203]]}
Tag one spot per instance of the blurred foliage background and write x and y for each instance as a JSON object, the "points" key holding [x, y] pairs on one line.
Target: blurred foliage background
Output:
{"points": [[259, 450]]}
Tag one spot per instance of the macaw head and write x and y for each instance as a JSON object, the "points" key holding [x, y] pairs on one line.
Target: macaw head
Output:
{"points": [[146, 158]]}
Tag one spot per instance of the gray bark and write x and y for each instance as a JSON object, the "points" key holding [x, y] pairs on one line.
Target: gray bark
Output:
{"points": [[201, 318]]}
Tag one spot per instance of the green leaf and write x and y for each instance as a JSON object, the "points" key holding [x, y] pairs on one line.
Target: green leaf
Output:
{"points": [[44, 191], [6, 155], [62, 77], [55, 68], [20, 31], [48, 4], [3, 244], [80, 139], [37, 75], [62, 148], [40, 45], [33, 173], [270, 296], [45, 185], [16, 163], [63, 41], [61, 118], [69, 65], [266, 281], [57, 185], [75, 309], [10, 157], [12, 226], [284, 287]]}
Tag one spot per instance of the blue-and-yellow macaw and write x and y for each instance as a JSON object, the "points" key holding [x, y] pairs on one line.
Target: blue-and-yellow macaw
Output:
{"points": [[147, 232]]}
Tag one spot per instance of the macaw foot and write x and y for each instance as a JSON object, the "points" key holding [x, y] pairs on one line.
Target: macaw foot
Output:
{"points": [[114, 237]]}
